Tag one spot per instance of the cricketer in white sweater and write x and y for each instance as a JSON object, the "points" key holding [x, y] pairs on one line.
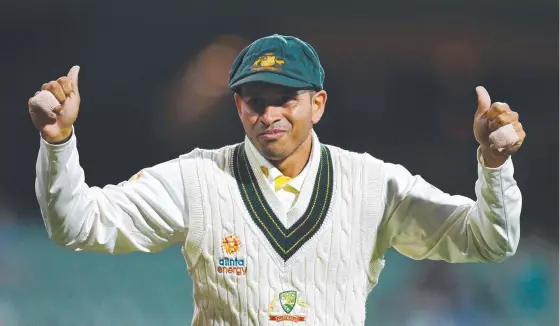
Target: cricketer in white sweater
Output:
{"points": [[257, 257], [260, 247]]}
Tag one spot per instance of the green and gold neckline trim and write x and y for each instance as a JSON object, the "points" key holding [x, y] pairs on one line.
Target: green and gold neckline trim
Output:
{"points": [[285, 241]]}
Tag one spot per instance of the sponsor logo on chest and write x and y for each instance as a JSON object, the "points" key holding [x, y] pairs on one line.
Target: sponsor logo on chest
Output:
{"points": [[230, 264]]}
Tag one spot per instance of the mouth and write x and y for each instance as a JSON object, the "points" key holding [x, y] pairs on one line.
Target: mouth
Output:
{"points": [[272, 134]]}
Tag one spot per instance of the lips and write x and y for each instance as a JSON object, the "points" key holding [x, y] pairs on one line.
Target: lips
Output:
{"points": [[273, 133]]}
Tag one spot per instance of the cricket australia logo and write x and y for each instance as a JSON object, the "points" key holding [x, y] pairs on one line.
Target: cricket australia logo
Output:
{"points": [[287, 307], [231, 264]]}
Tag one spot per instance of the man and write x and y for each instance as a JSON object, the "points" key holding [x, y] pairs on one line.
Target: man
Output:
{"points": [[280, 227]]}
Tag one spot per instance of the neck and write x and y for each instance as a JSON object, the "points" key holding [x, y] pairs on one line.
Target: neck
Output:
{"points": [[292, 165]]}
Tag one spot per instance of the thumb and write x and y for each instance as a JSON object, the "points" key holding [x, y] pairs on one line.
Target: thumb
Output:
{"points": [[73, 76], [483, 100]]}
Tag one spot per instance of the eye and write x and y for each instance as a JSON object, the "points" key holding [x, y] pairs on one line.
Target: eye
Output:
{"points": [[256, 104], [288, 99]]}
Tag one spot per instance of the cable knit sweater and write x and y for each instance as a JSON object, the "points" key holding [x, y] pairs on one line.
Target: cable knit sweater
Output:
{"points": [[247, 267]]}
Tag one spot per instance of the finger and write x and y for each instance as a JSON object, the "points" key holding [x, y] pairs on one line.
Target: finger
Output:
{"points": [[58, 109], [66, 85], [56, 89], [503, 138], [514, 148], [483, 100], [503, 119], [522, 136], [73, 76], [520, 131], [44, 102], [496, 109]]}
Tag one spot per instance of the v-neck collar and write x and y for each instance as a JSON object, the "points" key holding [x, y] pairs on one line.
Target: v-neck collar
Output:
{"points": [[296, 182], [264, 207]]}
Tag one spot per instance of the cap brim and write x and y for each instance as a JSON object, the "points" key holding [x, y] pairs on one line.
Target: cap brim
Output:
{"points": [[271, 78]]}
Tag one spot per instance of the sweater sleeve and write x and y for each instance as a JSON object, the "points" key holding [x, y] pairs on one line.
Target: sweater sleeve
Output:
{"points": [[146, 213], [423, 222]]}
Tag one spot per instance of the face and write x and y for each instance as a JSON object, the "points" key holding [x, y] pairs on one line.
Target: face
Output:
{"points": [[277, 119]]}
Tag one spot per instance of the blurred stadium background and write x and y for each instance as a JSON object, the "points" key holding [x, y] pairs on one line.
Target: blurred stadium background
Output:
{"points": [[400, 77]]}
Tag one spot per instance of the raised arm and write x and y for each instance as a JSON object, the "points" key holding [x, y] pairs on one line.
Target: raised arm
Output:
{"points": [[423, 222], [146, 213]]}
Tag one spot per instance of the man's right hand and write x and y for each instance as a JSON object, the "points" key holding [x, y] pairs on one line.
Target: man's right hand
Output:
{"points": [[54, 118]]}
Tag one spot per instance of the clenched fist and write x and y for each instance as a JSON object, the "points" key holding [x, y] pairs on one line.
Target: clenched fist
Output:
{"points": [[54, 109], [497, 129]]}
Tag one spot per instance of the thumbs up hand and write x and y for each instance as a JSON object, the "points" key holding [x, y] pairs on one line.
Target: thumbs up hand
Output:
{"points": [[497, 129], [54, 109]]}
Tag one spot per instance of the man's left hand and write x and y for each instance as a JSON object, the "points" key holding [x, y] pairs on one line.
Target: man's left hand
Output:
{"points": [[497, 129]]}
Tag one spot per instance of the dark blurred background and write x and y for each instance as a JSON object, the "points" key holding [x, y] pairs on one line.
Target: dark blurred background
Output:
{"points": [[400, 77]]}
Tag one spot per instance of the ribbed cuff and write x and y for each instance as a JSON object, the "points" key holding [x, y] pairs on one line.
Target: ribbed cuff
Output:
{"points": [[508, 163], [54, 148]]}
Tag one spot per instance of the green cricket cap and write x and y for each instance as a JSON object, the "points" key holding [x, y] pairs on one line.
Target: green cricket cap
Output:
{"points": [[280, 60]]}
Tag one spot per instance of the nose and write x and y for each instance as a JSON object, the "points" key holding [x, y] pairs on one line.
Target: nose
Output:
{"points": [[271, 114]]}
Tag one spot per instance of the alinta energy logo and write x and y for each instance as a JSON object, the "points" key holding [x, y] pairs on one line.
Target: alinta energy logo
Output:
{"points": [[231, 264]]}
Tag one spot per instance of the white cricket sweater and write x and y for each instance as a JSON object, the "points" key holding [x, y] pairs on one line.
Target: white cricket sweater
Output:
{"points": [[247, 268]]}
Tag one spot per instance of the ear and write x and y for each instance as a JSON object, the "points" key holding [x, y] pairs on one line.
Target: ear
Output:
{"points": [[238, 102], [318, 102]]}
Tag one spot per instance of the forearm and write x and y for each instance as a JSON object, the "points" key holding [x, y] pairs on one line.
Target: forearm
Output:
{"points": [[113, 219], [496, 219], [69, 207], [424, 222], [55, 189]]}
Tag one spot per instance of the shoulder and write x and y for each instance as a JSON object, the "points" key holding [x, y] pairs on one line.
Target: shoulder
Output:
{"points": [[347, 157], [218, 157], [346, 160]]}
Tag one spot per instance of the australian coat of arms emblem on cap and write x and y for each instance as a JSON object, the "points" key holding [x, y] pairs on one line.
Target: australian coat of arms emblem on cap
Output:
{"points": [[268, 61]]}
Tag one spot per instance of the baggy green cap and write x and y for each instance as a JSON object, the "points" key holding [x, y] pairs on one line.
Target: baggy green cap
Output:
{"points": [[280, 60]]}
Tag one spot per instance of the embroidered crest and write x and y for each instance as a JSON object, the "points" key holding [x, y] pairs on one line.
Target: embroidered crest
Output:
{"points": [[268, 61], [288, 300], [287, 307]]}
